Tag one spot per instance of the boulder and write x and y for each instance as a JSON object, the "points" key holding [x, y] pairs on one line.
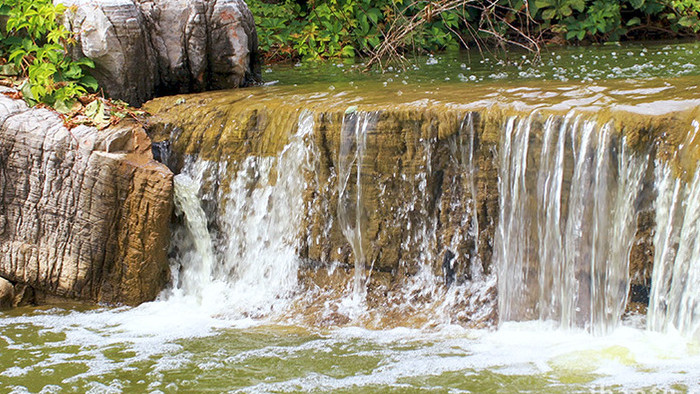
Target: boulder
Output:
{"points": [[83, 213], [7, 293], [144, 48]]}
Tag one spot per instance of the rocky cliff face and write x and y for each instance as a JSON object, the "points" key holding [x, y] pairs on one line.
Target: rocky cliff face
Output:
{"points": [[83, 213], [154, 47]]}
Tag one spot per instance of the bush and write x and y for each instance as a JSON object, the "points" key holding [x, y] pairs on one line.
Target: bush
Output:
{"points": [[34, 45], [317, 29]]}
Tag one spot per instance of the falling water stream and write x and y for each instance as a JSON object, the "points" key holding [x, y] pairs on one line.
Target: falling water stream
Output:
{"points": [[351, 208], [511, 215], [573, 244]]}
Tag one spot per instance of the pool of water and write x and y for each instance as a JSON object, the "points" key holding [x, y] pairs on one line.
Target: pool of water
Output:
{"points": [[562, 64], [169, 346]]}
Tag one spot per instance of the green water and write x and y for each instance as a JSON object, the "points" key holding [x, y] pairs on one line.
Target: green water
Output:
{"points": [[181, 344], [561, 64], [146, 349], [57, 350]]}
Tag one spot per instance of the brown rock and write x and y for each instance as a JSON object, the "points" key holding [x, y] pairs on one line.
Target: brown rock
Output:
{"points": [[24, 295], [7, 293], [83, 213]]}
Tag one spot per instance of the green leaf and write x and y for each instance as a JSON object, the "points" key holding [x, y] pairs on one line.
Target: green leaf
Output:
{"points": [[548, 14], [73, 72], [89, 82], [62, 106], [634, 21], [578, 5], [348, 51], [543, 3], [637, 4], [96, 112], [374, 14], [688, 21], [27, 94], [9, 69]]}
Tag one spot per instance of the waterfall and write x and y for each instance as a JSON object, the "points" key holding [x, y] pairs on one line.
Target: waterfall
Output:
{"points": [[563, 254], [463, 150], [351, 208], [675, 303], [239, 244], [197, 273], [513, 231]]}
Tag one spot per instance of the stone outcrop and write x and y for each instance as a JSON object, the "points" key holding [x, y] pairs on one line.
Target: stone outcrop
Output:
{"points": [[144, 48], [83, 213]]}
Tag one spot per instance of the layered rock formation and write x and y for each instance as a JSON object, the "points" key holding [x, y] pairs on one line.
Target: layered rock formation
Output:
{"points": [[153, 47], [429, 173], [83, 213]]}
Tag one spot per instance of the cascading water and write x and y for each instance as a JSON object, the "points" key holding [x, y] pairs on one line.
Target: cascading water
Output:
{"points": [[564, 254], [243, 254], [457, 195], [462, 148], [674, 302], [351, 208], [197, 273]]}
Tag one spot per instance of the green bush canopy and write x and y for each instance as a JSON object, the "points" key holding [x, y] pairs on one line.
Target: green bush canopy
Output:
{"points": [[315, 29]]}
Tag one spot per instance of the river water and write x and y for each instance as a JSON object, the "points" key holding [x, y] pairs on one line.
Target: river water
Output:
{"points": [[236, 317]]}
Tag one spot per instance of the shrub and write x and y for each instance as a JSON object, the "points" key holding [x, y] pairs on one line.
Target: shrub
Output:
{"points": [[317, 29], [34, 45]]}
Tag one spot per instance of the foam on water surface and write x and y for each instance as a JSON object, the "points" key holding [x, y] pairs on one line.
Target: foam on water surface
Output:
{"points": [[151, 348]]}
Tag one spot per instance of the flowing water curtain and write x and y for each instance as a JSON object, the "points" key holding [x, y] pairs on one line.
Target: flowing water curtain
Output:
{"points": [[194, 275], [463, 150], [513, 232], [563, 254], [352, 212], [675, 302], [255, 208]]}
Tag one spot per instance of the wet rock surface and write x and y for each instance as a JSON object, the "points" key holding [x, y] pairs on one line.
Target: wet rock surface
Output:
{"points": [[83, 213], [154, 47], [429, 182]]}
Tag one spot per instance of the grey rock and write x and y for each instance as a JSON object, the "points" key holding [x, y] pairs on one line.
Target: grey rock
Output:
{"points": [[144, 48], [84, 213]]}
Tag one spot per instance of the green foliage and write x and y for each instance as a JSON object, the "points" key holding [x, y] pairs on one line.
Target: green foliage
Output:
{"points": [[34, 43], [610, 20], [342, 28], [315, 29]]}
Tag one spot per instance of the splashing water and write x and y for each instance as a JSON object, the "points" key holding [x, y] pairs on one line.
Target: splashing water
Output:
{"points": [[248, 261]]}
